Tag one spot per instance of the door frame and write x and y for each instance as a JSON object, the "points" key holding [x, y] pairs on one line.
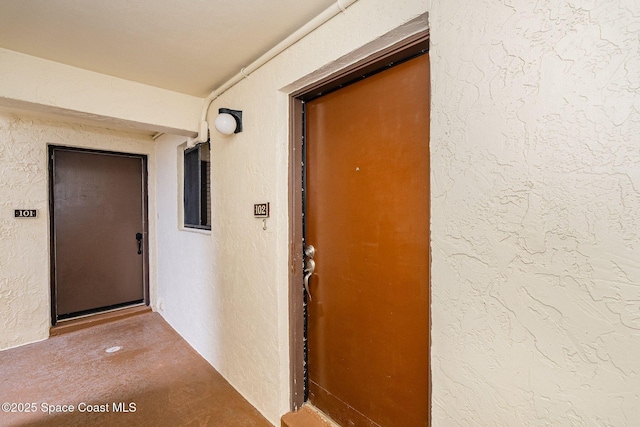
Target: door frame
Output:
{"points": [[51, 148], [408, 48]]}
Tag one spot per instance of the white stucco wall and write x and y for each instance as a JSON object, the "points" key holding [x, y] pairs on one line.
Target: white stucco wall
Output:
{"points": [[188, 292], [25, 307], [535, 212]]}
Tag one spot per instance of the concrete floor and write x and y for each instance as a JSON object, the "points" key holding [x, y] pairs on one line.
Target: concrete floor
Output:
{"points": [[155, 379]]}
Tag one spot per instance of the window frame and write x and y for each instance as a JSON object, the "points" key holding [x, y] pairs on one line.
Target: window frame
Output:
{"points": [[196, 188]]}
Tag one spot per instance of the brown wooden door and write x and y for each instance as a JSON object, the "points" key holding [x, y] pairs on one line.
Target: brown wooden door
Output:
{"points": [[367, 215], [99, 238]]}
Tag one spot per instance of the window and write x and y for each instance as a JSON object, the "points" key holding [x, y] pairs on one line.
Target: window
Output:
{"points": [[197, 187]]}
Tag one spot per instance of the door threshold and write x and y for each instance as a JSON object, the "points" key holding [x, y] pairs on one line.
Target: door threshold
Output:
{"points": [[307, 416], [75, 324]]}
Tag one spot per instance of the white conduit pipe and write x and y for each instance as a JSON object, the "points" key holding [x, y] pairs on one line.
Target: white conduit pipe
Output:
{"points": [[330, 12]]}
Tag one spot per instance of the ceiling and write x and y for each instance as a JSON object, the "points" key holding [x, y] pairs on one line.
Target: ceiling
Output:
{"points": [[187, 46]]}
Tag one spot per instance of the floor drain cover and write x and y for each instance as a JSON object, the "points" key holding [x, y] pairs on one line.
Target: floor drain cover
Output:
{"points": [[114, 349]]}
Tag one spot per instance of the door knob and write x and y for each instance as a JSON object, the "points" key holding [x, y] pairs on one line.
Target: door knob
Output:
{"points": [[309, 251]]}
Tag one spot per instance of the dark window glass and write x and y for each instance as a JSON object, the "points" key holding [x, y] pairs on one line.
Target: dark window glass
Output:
{"points": [[197, 193]]}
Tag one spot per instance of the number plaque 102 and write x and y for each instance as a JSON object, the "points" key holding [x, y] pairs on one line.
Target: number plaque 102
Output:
{"points": [[261, 210]]}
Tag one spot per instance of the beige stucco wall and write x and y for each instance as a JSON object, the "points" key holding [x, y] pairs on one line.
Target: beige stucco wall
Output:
{"points": [[25, 309], [535, 212]]}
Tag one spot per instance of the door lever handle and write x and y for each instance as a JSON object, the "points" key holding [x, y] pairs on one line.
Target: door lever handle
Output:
{"points": [[139, 239], [308, 271]]}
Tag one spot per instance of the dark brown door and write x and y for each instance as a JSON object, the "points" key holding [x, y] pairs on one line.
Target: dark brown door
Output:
{"points": [[99, 238], [367, 215]]}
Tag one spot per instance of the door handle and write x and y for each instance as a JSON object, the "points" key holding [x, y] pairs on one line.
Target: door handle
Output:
{"points": [[310, 267], [308, 272], [139, 239]]}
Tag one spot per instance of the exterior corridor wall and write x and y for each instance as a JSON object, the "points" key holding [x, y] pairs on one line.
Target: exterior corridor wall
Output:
{"points": [[535, 201]]}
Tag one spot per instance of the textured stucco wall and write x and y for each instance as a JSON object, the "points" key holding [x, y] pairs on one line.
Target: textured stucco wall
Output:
{"points": [[237, 318], [24, 243], [535, 212]]}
